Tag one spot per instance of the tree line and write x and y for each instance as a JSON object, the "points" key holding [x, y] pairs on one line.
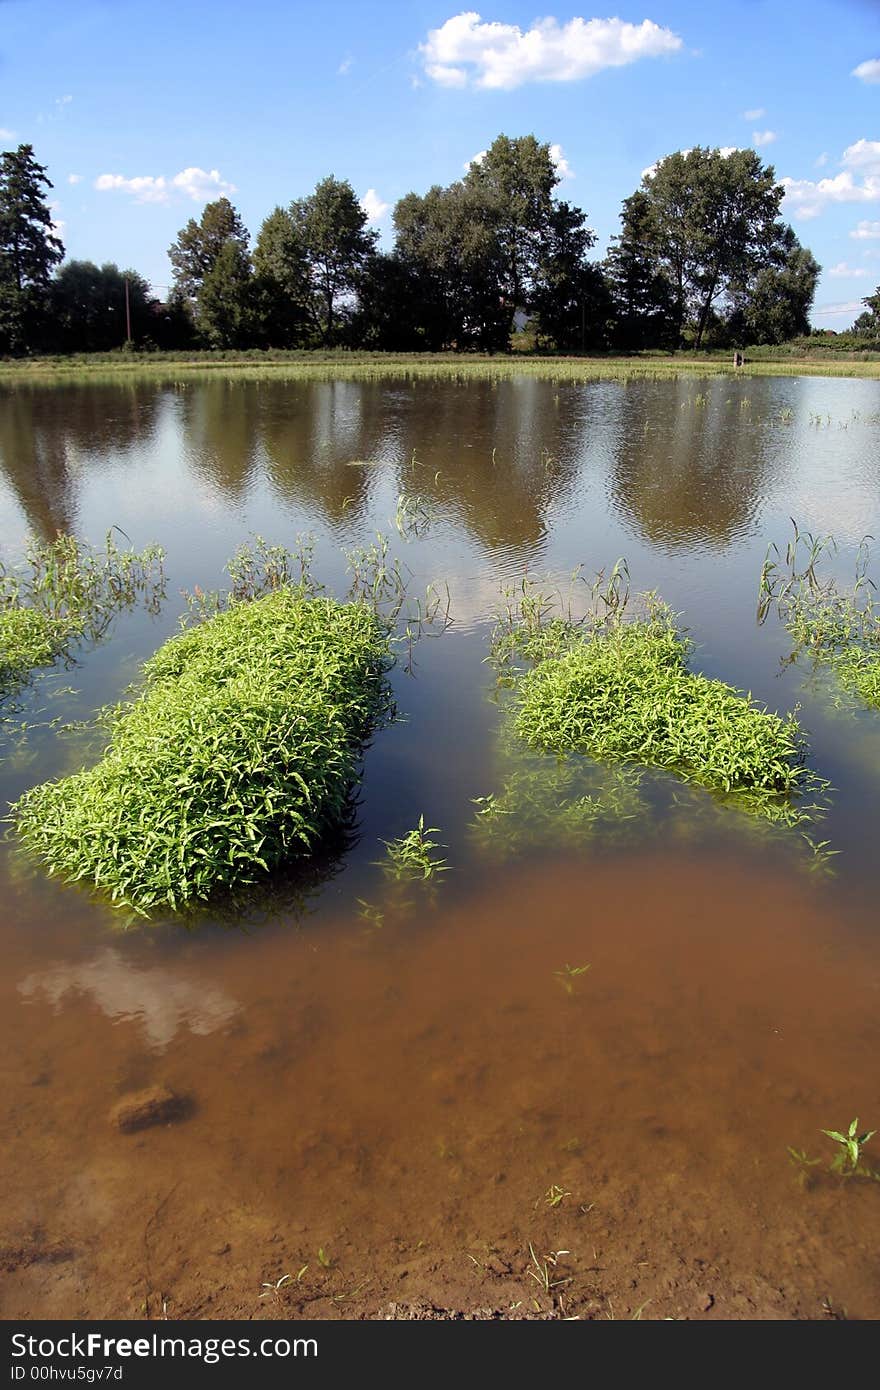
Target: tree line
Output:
{"points": [[702, 259]]}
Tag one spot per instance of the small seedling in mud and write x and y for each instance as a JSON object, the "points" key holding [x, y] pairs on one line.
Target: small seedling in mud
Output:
{"points": [[803, 1163], [323, 1258], [554, 1195], [568, 975], [412, 857], [542, 1269], [851, 1145], [276, 1287], [372, 915]]}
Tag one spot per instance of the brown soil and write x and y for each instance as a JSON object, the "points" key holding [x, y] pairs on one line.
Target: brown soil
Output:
{"points": [[389, 1117]]}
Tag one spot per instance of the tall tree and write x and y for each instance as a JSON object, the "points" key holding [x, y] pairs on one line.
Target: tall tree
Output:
{"points": [[515, 178], [714, 224], [569, 296], [29, 248], [88, 307], [199, 244], [282, 282], [776, 305], [447, 238], [643, 303], [868, 323], [225, 304], [332, 229]]}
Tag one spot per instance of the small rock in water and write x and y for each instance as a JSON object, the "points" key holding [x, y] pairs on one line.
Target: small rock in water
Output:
{"points": [[155, 1106]]}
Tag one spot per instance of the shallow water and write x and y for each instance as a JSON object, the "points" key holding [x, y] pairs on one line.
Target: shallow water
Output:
{"points": [[403, 1097]]}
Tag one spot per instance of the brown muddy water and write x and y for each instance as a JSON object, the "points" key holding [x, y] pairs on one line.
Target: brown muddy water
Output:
{"points": [[423, 1115]]}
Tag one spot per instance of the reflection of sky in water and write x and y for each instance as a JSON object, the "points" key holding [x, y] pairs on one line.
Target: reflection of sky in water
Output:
{"points": [[158, 999]]}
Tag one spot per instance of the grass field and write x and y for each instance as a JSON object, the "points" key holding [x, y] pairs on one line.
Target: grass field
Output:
{"points": [[317, 365]]}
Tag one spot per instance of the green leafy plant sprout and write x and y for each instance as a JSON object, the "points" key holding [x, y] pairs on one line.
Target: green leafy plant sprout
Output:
{"points": [[412, 855], [568, 975], [851, 1145]]}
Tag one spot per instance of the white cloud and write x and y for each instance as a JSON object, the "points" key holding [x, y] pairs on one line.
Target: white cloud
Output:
{"points": [[373, 206], [63, 101], [866, 231], [858, 182], [563, 168], [201, 186], [345, 66], [58, 223], [74, 178], [763, 137], [868, 71], [822, 160], [193, 183], [6, 134], [755, 114], [504, 56], [842, 271], [475, 159]]}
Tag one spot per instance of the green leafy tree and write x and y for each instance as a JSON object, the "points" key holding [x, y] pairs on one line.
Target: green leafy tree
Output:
{"points": [[713, 222], [29, 249], [283, 286], [87, 307], [331, 227], [225, 303], [569, 297], [868, 323], [515, 180], [198, 246], [775, 307], [643, 301], [447, 239]]}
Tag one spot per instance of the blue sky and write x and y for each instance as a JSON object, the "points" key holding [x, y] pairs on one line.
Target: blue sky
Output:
{"points": [[144, 109]]}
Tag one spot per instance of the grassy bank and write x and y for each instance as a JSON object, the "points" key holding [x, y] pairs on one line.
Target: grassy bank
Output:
{"points": [[238, 756], [306, 366]]}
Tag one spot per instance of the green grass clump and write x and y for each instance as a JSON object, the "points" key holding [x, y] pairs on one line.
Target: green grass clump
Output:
{"points": [[412, 855], [28, 638], [66, 591], [622, 693], [238, 755]]}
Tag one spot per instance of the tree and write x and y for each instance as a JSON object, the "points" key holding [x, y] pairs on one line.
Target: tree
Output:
{"points": [[713, 224], [225, 308], [29, 248], [868, 323], [88, 307], [447, 239], [198, 246], [515, 180], [569, 297], [283, 288], [776, 305], [331, 226], [643, 306]]}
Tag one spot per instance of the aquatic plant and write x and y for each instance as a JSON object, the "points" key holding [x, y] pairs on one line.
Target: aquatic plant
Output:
{"points": [[238, 755], [569, 975], [622, 692], [66, 591], [837, 629], [412, 855], [851, 1145]]}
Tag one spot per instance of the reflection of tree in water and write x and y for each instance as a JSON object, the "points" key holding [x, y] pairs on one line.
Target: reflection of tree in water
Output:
{"points": [[314, 433], [46, 434], [690, 467], [219, 421], [501, 498]]}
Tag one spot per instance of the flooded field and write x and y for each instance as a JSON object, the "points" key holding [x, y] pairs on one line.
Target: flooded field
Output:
{"points": [[423, 1103]]}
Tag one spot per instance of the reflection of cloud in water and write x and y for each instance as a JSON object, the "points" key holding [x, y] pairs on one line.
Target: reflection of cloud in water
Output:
{"points": [[157, 998]]}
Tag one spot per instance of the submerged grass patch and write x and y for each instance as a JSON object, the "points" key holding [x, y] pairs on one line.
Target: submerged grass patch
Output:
{"points": [[838, 629], [66, 591], [624, 694], [238, 755]]}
